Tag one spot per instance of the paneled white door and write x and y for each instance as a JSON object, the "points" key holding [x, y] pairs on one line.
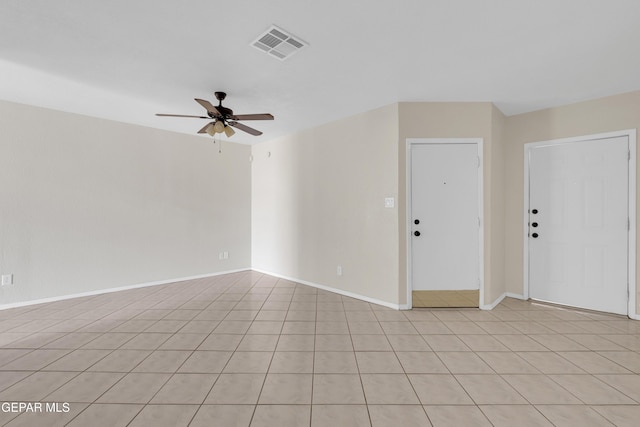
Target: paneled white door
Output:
{"points": [[444, 216], [578, 219]]}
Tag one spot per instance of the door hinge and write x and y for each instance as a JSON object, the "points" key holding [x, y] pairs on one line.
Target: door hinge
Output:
{"points": [[628, 224], [478, 157], [629, 155], [479, 225]]}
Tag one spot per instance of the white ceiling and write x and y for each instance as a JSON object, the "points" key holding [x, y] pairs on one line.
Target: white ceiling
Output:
{"points": [[128, 59]]}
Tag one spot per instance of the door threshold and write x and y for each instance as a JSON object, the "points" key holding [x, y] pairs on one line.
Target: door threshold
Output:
{"points": [[449, 299], [558, 305]]}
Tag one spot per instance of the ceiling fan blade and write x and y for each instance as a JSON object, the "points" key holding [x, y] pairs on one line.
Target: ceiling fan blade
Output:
{"points": [[204, 129], [265, 116], [208, 106], [245, 128], [181, 115]]}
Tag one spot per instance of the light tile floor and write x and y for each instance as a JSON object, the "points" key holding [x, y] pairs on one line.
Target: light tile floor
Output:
{"points": [[249, 349]]}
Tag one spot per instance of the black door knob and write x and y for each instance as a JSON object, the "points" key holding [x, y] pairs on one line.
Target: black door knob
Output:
{"points": [[534, 235], [416, 222], [535, 224], [534, 211], [416, 233]]}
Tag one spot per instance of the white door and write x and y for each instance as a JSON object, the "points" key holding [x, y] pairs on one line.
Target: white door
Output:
{"points": [[578, 213], [445, 217]]}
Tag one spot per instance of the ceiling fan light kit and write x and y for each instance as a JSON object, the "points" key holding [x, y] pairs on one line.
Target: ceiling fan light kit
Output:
{"points": [[223, 118], [218, 127], [229, 132]]}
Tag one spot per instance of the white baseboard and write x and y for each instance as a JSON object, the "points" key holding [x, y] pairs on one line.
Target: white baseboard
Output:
{"points": [[336, 290], [110, 290], [493, 304], [499, 300]]}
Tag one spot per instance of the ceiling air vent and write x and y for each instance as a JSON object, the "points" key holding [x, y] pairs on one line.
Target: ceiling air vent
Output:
{"points": [[278, 43]]}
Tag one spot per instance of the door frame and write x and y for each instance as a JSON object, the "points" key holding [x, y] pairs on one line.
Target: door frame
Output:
{"points": [[631, 233], [479, 142]]}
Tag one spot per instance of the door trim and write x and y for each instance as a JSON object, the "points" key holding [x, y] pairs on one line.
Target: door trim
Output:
{"points": [[479, 142], [631, 233]]}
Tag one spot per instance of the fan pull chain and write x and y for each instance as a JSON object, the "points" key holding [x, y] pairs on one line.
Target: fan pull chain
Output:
{"points": [[219, 144]]}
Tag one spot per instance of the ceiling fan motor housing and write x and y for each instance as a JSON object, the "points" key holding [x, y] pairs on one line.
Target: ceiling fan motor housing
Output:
{"points": [[225, 112]]}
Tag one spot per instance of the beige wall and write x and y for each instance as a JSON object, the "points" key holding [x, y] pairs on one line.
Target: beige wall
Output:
{"points": [[608, 114], [495, 284], [318, 202], [89, 204], [287, 219], [458, 120]]}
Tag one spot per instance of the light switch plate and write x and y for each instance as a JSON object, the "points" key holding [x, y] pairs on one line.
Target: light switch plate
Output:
{"points": [[7, 279], [389, 202]]}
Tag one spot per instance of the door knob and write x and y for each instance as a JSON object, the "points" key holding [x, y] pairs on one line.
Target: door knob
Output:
{"points": [[416, 233], [416, 222], [534, 211], [534, 235], [535, 224]]}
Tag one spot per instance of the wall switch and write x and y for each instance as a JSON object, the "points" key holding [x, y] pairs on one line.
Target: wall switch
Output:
{"points": [[225, 255], [389, 202], [339, 270], [7, 279], [221, 255]]}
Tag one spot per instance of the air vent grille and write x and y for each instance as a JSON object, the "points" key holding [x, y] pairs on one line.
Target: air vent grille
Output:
{"points": [[278, 43], [270, 40], [295, 42]]}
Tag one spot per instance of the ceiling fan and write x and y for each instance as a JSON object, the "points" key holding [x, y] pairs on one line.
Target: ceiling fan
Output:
{"points": [[223, 118]]}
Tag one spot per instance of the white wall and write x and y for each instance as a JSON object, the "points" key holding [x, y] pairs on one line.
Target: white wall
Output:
{"points": [[318, 202], [89, 204]]}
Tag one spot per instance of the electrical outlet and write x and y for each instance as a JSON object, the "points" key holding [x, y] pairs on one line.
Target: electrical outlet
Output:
{"points": [[7, 279], [225, 255]]}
